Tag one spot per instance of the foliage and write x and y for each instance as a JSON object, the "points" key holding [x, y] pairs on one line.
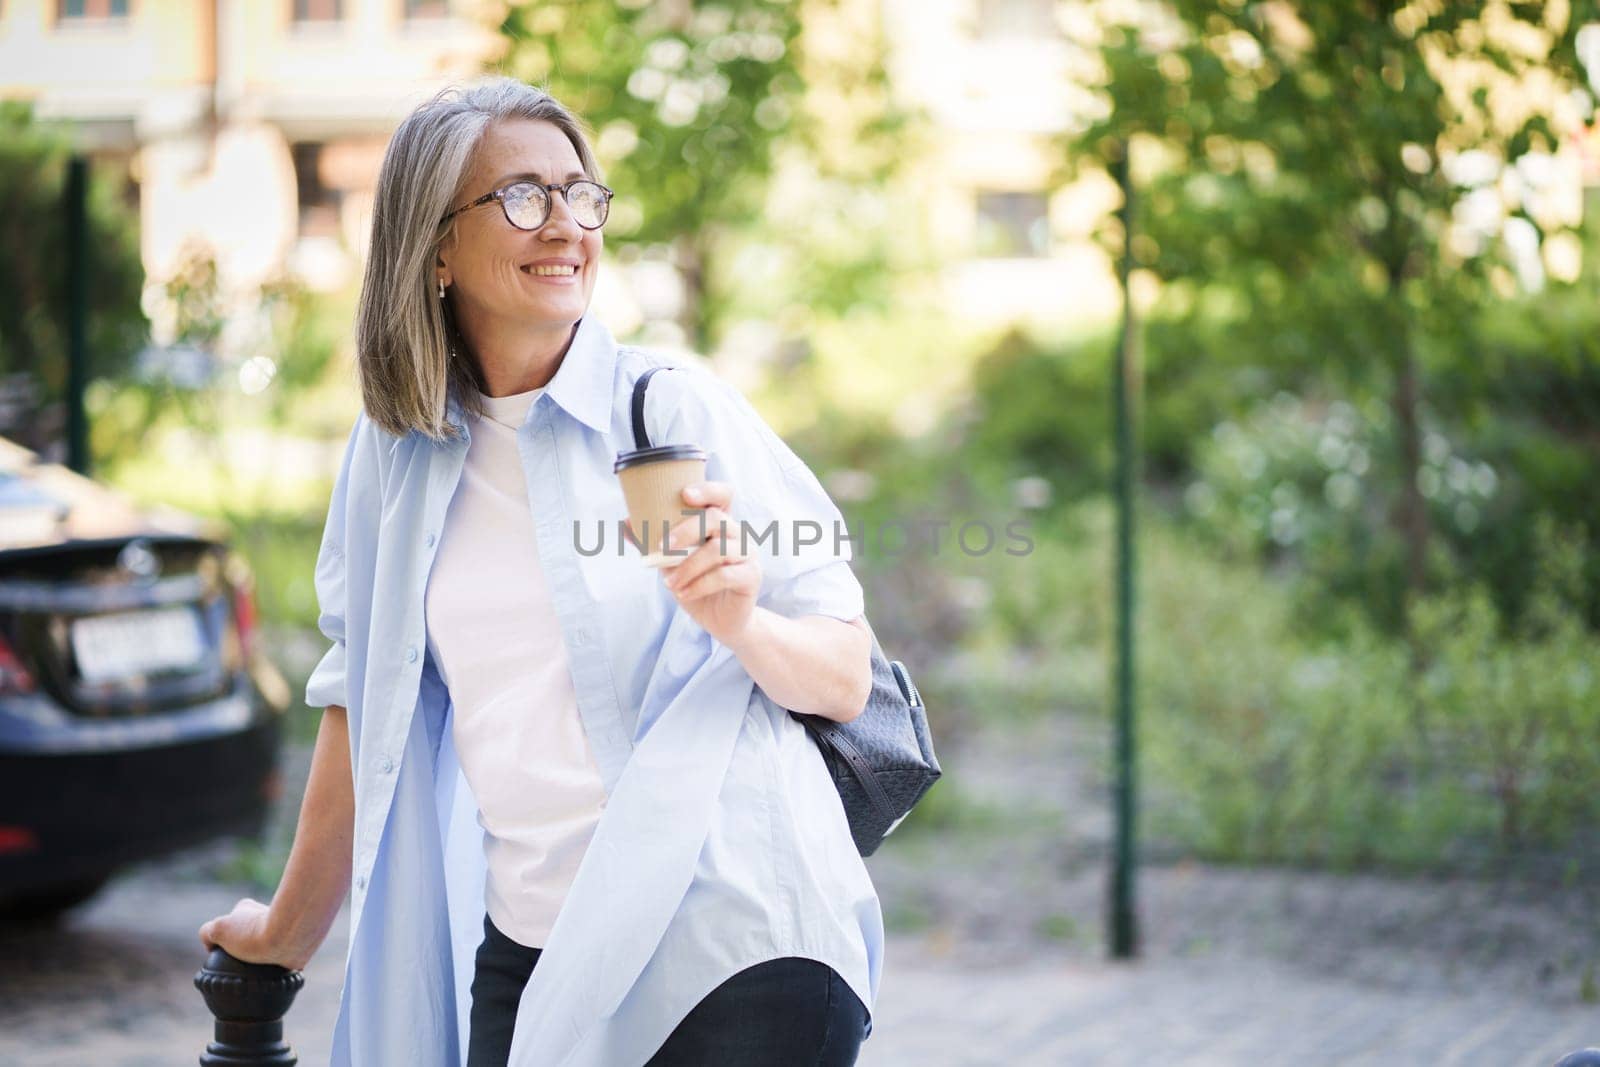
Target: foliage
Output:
{"points": [[282, 551], [1526, 396], [1516, 715], [832, 238], [264, 349], [33, 275], [687, 101], [1296, 483], [1045, 406], [1304, 482], [1268, 739], [697, 108], [1303, 160], [1045, 410], [1339, 183]]}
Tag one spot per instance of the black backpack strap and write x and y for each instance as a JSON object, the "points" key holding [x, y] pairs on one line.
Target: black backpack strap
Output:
{"points": [[641, 439]]}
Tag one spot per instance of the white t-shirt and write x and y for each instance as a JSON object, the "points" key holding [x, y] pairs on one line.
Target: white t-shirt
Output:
{"points": [[494, 635]]}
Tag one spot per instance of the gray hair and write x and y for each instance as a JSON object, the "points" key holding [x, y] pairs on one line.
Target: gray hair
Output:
{"points": [[404, 336]]}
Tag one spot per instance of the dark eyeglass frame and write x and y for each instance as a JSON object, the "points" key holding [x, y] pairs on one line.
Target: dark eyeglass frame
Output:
{"points": [[549, 203]]}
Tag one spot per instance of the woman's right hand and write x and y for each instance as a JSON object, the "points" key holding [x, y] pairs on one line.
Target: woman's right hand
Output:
{"points": [[246, 934]]}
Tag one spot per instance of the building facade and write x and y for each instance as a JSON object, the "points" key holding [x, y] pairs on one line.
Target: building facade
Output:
{"points": [[255, 127]]}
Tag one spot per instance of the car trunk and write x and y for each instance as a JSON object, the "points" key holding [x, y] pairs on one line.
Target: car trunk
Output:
{"points": [[122, 626]]}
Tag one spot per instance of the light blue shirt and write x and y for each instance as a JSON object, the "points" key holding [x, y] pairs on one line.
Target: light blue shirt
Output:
{"points": [[723, 842]]}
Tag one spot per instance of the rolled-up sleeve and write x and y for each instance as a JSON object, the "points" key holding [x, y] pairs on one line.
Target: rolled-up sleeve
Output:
{"points": [[793, 528], [327, 682]]}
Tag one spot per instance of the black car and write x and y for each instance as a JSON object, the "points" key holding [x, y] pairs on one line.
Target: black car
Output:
{"points": [[138, 714]]}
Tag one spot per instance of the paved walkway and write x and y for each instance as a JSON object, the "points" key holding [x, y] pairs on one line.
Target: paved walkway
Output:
{"points": [[113, 988], [1196, 1012], [995, 959]]}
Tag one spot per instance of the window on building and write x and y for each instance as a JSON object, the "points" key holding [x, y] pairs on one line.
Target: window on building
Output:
{"points": [[1017, 18], [318, 10], [427, 9], [319, 203], [1012, 225], [93, 9]]}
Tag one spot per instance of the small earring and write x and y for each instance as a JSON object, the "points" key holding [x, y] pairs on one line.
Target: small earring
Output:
{"points": [[441, 288]]}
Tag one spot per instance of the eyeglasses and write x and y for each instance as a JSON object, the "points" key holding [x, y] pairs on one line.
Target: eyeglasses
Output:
{"points": [[528, 204]]}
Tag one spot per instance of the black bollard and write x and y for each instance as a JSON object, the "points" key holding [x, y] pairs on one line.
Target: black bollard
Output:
{"points": [[1589, 1057], [249, 1001]]}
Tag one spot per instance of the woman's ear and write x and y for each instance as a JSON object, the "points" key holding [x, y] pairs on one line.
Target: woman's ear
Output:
{"points": [[444, 253]]}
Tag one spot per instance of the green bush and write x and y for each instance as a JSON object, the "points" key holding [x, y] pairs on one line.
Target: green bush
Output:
{"points": [[1515, 711], [1265, 738], [1044, 407], [1527, 391], [1043, 410], [1273, 743], [1305, 485], [282, 552]]}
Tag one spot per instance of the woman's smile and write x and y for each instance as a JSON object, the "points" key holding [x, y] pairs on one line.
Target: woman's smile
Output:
{"points": [[554, 271]]}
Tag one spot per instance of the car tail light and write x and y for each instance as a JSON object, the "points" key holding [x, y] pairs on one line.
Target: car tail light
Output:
{"points": [[15, 679], [15, 839], [244, 617]]}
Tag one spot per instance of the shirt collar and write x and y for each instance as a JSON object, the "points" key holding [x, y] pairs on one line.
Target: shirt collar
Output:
{"points": [[582, 384]]}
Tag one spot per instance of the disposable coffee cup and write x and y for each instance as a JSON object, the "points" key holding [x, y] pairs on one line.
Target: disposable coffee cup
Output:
{"points": [[653, 480]]}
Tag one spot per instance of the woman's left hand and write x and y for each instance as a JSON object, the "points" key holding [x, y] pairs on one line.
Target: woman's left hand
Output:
{"points": [[717, 582]]}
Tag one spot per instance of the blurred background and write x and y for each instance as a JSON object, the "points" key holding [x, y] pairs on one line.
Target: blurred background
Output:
{"points": [[1348, 253]]}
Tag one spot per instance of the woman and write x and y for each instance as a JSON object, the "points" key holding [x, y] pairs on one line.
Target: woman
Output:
{"points": [[580, 766]]}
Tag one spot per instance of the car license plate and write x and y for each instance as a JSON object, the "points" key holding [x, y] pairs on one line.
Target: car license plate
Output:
{"points": [[134, 643]]}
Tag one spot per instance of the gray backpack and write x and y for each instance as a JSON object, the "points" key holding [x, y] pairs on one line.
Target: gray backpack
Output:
{"points": [[882, 761]]}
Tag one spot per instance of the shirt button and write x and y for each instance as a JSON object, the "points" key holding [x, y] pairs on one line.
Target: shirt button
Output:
{"points": [[411, 654], [361, 881], [430, 540], [386, 765], [580, 637]]}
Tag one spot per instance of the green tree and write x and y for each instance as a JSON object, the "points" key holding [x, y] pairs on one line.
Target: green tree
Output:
{"points": [[686, 99], [839, 249], [1302, 187], [33, 276], [264, 377]]}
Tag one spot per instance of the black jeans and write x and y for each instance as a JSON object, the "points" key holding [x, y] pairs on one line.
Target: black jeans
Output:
{"points": [[787, 1012]]}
